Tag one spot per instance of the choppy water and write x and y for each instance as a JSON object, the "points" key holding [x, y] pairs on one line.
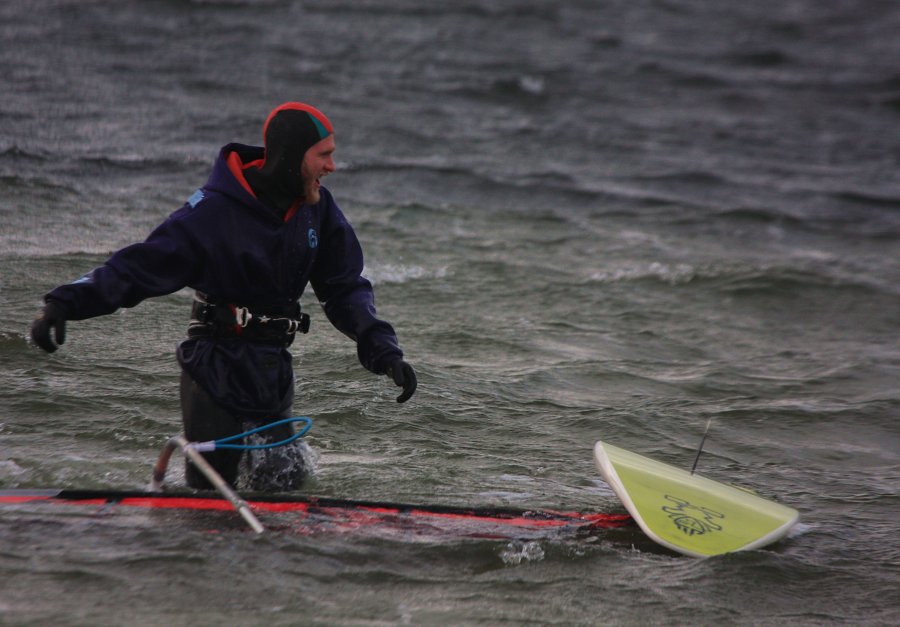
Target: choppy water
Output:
{"points": [[587, 220]]}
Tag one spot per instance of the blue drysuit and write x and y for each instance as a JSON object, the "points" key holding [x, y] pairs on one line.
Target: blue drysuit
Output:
{"points": [[226, 244]]}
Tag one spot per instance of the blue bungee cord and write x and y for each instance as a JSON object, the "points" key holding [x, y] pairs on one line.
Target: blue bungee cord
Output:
{"points": [[193, 449], [226, 443]]}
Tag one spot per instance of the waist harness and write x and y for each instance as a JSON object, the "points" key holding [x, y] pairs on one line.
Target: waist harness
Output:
{"points": [[267, 324]]}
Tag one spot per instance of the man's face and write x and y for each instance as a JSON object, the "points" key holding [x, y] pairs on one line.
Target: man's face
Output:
{"points": [[318, 162]]}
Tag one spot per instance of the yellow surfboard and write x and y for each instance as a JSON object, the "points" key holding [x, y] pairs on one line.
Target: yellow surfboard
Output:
{"points": [[688, 513]]}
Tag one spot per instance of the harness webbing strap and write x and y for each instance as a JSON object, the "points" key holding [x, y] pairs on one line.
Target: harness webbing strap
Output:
{"points": [[267, 324]]}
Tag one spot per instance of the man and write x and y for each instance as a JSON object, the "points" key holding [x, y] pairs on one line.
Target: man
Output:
{"points": [[248, 242]]}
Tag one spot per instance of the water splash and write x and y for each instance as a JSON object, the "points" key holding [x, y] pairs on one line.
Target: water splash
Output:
{"points": [[517, 552]]}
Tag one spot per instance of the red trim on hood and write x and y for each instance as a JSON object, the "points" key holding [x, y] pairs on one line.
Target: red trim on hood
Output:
{"points": [[237, 167], [290, 212]]}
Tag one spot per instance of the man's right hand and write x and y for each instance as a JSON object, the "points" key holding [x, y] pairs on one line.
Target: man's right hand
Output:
{"points": [[53, 317]]}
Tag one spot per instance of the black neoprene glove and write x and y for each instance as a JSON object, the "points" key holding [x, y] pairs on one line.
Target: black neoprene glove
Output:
{"points": [[404, 376], [53, 317]]}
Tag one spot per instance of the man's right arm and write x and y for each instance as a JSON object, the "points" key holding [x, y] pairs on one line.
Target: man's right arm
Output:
{"points": [[162, 264]]}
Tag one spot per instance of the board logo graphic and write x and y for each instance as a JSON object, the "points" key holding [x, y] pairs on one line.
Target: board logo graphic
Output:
{"points": [[693, 520]]}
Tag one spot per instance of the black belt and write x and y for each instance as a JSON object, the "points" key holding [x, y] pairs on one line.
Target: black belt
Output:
{"points": [[265, 324]]}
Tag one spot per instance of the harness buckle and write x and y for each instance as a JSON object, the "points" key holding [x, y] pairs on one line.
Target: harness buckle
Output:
{"points": [[268, 325], [242, 316]]}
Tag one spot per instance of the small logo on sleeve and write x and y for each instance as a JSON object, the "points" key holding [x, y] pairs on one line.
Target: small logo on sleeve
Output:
{"points": [[195, 198], [87, 278]]}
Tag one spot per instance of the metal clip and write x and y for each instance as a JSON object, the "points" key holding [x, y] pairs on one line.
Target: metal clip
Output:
{"points": [[242, 316]]}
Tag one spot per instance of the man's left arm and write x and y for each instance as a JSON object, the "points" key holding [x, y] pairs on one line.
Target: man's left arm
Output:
{"points": [[349, 302]]}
